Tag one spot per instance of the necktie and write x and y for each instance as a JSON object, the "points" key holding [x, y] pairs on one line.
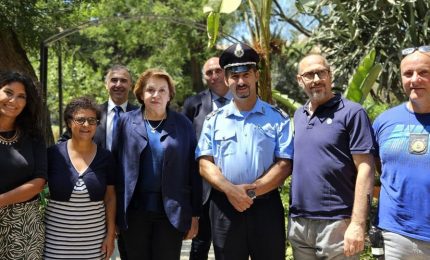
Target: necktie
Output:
{"points": [[118, 111], [222, 101]]}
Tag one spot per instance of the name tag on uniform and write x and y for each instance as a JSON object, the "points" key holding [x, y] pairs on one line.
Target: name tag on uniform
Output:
{"points": [[418, 143]]}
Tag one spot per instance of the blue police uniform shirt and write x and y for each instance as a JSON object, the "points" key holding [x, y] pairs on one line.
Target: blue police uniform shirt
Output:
{"points": [[244, 146]]}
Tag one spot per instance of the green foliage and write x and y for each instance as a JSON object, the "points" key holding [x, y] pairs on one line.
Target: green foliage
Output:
{"points": [[364, 78], [373, 109], [348, 31], [284, 70], [35, 20], [215, 8], [44, 197], [285, 102], [139, 34], [212, 28]]}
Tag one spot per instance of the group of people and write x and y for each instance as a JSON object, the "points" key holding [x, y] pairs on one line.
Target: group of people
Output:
{"points": [[152, 177]]}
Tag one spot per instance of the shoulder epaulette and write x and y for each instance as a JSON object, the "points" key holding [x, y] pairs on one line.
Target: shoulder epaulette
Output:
{"points": [[280, 111], [213, 113]]}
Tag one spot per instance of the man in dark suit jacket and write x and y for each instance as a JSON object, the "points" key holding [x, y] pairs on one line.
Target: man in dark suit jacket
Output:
{"points": [[118, 84], [196, 108]]}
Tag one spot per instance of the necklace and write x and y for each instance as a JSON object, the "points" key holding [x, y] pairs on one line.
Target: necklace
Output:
{"points": [[153, 129], [11, 140]]}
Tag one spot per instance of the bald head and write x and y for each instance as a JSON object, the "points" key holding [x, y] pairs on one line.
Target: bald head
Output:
{"points": [[314, 77], [310, 60], [415, 71], [213, 76]]}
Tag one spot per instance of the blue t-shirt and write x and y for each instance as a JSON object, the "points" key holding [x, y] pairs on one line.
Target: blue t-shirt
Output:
{"points": [[324, 173], [244, 146], [404, 205]]}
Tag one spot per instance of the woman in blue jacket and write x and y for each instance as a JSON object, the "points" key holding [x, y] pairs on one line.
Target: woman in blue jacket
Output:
{"points": [[158, 186]]}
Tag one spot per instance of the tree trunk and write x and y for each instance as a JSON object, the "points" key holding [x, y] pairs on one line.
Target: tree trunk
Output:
{"points": [[14, 57], [196, 75]]}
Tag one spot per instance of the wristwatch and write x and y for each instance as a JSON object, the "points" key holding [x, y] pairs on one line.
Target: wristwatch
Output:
{"points": [[251, 193]]}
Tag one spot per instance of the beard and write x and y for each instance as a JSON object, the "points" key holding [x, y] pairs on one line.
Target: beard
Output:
{"points": [[244, 94], [318, 96]]}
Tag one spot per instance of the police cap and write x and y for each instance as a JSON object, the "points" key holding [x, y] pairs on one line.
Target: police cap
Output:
{"points": [[238, 58]]}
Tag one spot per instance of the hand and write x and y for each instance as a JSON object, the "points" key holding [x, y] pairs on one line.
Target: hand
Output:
{"points": [[192, 232], [108, 246], [236, 195], [353, 239]]}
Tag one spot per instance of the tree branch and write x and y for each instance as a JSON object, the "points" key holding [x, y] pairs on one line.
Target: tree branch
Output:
{"points": [[296, 24]]}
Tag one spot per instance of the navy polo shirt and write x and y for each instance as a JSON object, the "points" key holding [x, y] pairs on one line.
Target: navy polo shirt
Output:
{"points": [[324, 173]]}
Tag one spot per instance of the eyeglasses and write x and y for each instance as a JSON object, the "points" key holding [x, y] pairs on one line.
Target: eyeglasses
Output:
{"points": [[407, 51], [310, 75], [82, 120]]}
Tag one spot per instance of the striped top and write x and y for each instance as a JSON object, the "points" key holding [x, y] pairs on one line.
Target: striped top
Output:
{"points": [[75, 229]]}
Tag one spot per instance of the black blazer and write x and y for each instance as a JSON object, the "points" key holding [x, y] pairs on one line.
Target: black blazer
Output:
{"points": [[196, 108], [100, 136]]}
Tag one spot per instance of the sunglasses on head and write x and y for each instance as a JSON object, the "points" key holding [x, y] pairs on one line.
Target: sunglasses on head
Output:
{"points": [[407, 51]]}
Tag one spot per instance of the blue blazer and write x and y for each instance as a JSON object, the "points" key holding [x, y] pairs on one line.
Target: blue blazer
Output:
{"points": [[181, 183]]}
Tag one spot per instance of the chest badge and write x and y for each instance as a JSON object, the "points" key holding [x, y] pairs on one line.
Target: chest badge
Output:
{"points": [[418, 143]]}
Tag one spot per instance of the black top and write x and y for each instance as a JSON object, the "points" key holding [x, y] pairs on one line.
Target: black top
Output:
{"points": [[21, 162], [63, 176]]}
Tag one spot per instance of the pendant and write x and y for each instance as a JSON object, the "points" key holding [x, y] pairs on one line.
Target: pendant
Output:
{"points": [[153, 130]]}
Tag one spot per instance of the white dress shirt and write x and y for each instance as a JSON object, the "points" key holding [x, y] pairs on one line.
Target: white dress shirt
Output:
{"points": [[109, 121]]}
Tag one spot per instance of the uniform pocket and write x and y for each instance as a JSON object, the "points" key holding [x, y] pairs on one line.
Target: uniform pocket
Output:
{"points": [[226, 141]]}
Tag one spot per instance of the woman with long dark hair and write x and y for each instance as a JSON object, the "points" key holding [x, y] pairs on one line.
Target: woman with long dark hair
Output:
{"points": [[23, 168]]}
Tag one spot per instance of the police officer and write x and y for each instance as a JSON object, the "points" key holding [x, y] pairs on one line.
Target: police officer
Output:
{"points": [[245, 152]]}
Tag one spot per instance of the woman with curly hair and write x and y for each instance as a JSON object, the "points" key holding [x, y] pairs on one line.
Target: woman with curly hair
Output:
{"points": [[80, 216]]}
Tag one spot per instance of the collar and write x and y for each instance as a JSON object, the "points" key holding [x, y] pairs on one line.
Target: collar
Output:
{"points": [[214, 96], [111, 105], [330, 103], [231, 109]]}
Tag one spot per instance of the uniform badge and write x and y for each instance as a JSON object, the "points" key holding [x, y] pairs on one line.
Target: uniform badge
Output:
{"points": [[418, 143], [238, 52]]}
